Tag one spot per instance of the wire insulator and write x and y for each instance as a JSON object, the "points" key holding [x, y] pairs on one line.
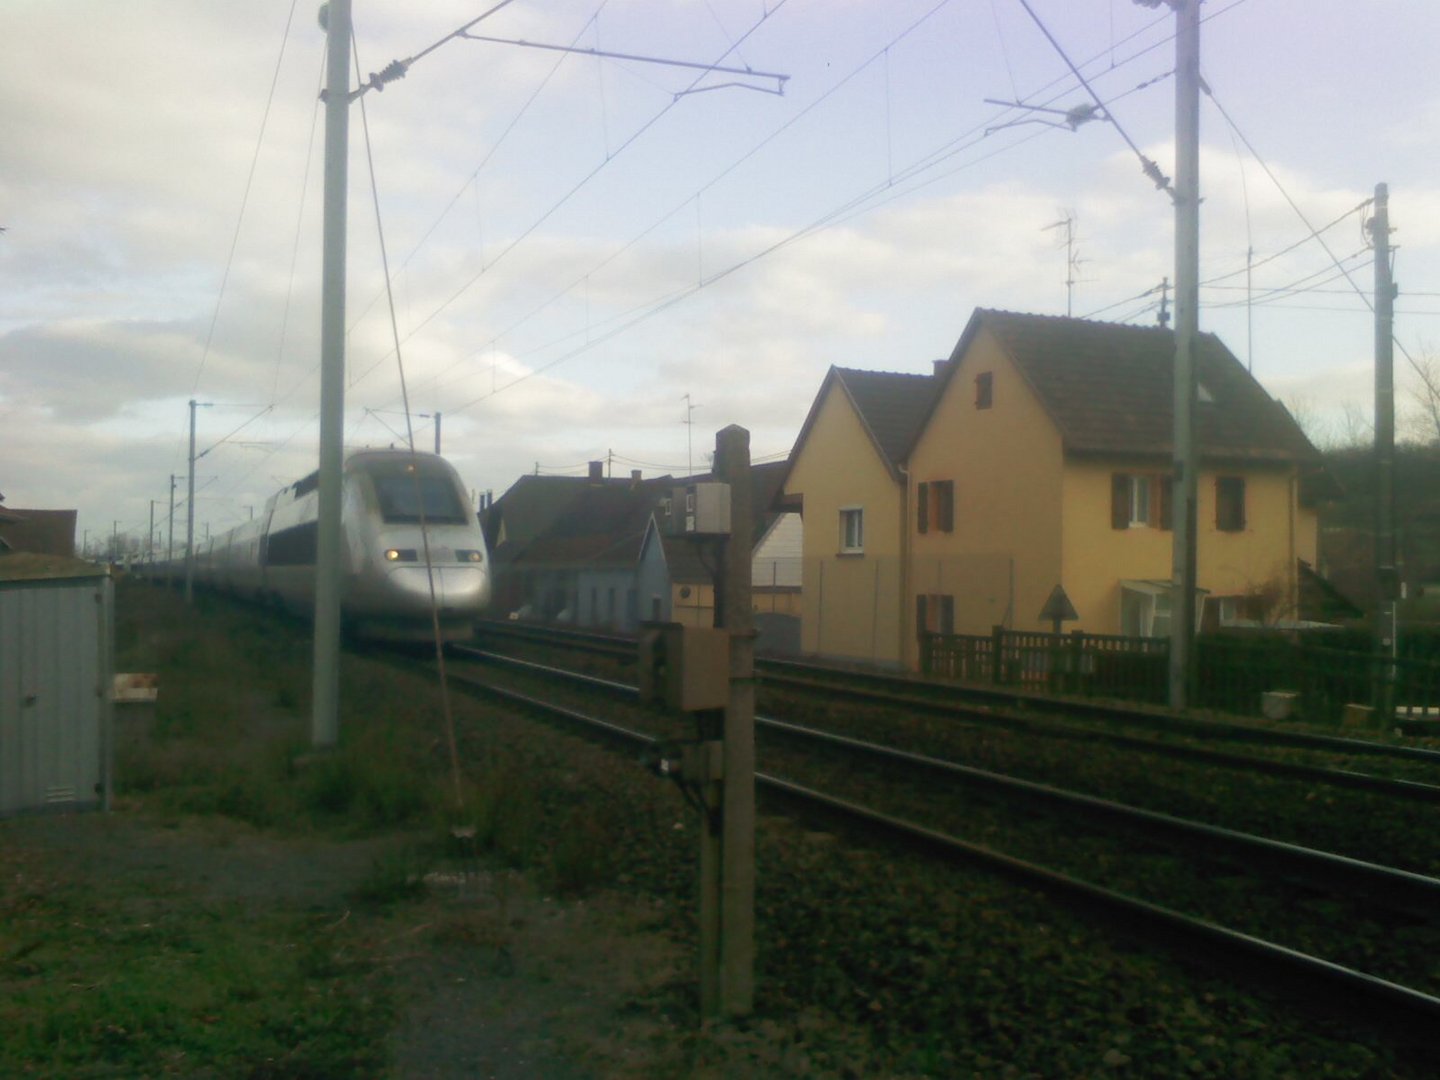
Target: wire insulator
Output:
{"points": [[396, 69]]}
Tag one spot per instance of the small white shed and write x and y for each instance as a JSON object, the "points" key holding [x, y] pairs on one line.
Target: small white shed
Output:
{"points": [[56, 649]]}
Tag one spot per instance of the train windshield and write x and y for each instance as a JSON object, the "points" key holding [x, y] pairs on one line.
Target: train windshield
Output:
{"points": [[405, 490]]}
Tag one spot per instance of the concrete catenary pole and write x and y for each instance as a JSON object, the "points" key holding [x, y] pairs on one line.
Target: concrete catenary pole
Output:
{"points": [[737, 883], [325, 707], [190, 512], [1387, 577], [1187, 311], [170, 540]]}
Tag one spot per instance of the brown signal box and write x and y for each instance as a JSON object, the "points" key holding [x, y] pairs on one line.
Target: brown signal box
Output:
{"points": [[686, 668]]}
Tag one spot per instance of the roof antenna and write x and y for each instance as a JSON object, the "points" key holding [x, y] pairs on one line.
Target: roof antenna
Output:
{"points": [[1072, 260], [689, 423], [1164, 317]]}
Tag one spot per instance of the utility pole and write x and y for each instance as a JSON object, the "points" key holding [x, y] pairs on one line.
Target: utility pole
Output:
{"points": [[1187, 312], [437, 434], [325, 708], [150, 535], [190, 508], [1387, 577], [170, 540], [733, 613]]}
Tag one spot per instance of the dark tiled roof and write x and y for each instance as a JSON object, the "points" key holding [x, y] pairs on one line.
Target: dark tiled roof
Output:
{"points": [[47, 532], [602, 523], [892, 406], [1108, 388]]}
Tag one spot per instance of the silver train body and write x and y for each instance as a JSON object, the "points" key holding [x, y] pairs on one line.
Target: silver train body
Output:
{"points": [[386, 584]]}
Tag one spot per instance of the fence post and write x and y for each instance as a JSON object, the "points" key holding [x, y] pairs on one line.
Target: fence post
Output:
{"points": [[1077, 661], [997, 652]]}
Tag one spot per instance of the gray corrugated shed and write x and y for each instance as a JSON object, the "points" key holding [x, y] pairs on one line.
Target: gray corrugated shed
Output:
{"points": [[55, 676]]}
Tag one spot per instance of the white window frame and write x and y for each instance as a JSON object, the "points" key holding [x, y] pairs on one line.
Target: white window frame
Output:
{"points": [[852, 530], [1139, 501]]}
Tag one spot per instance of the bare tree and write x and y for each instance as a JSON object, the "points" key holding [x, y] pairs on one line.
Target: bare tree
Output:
{"points": [[1425, 393], [1350, 429]]}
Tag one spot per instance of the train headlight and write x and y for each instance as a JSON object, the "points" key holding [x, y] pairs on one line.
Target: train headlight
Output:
{"points": [[400, 555], [470, 555]]}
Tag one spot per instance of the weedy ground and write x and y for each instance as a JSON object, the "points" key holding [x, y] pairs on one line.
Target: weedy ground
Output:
{"points": [[255, 908]]}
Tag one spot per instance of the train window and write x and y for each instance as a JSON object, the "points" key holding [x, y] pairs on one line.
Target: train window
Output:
{"points": [[294, 546], [404, 495]]}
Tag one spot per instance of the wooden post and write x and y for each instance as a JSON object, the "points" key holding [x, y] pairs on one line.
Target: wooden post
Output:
{"points": [[737, 890]]}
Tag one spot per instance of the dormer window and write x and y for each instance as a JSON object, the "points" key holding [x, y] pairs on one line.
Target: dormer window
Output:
{"points": [[984, 390]]}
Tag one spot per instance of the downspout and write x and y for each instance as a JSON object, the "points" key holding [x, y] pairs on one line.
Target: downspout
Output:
{"points": [[905, 556], [1292, 567]]}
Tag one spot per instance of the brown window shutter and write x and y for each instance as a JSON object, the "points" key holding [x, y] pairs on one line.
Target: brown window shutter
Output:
{"points": [[920, 615], [947, 614], [1230, 503], [946, 491], [922, 508], [1119, 501], [1167, 504]]}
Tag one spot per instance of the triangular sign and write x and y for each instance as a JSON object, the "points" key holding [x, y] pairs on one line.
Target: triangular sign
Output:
{"points": [[1058, 608]]}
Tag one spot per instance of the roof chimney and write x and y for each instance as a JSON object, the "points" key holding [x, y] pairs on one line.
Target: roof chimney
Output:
{"points": [[940, 366], [634, 478], [597, 471]]}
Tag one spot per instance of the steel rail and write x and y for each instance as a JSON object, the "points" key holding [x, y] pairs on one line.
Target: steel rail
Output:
{"points": [[1401, 890], [1407, 1011], [772, 673], [1148, 718], [1384, 785]]}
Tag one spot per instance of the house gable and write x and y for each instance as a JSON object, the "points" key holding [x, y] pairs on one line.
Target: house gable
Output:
{"points": [[986, 479]]}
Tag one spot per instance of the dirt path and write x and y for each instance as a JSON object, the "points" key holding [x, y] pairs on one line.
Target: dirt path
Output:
{"points": [[493, 979]]}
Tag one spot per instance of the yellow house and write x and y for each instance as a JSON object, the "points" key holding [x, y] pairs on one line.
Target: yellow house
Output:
{"points": [[1043, 460], [846, 476]]}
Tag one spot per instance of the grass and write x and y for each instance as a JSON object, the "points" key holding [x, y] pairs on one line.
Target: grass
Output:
{"points": [[118, 974], [91, 986], [109, 968]]}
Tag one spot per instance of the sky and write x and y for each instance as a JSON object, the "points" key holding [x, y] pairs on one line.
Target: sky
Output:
{"points": [[594, 258]]}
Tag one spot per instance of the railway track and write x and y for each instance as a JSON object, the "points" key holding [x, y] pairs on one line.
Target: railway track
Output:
{"points": [[1408, 1009], [917, 696]]}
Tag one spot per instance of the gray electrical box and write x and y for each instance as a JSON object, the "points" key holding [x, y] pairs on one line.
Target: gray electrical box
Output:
{"points": [[684, 667], [701, 509]]}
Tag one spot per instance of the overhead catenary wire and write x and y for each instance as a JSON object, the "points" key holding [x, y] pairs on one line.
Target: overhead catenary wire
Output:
{"points": [[489, 156], [570, 194], [1148, 167], [244, 199], [443, 682], [853, 207], [864, 202], [1360, 292]]}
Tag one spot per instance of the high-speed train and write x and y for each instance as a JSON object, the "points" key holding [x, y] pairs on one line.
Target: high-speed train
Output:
{"points": [[398, 507]]}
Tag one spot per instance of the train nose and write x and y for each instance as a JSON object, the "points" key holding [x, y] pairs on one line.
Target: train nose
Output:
{"points": [[457, 588]]}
